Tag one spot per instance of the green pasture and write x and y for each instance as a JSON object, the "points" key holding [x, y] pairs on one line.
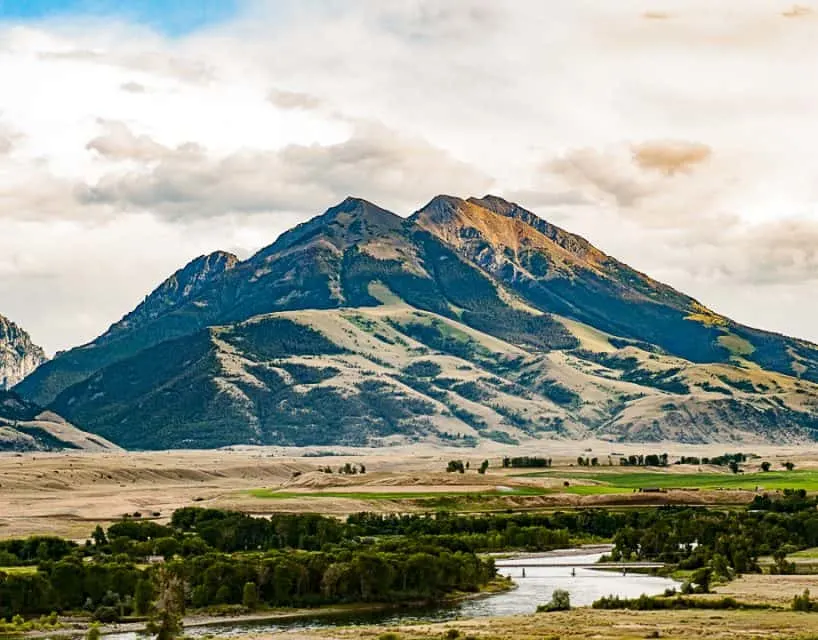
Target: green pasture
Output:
{"points": [[18, 570], [630, 480]]}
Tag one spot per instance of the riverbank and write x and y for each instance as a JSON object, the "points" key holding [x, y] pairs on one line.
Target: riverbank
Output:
{"points": [[74, 628], [580, 624], [581, 550]]}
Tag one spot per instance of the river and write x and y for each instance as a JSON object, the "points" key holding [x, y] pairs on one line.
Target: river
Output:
{"points": [[584, 586]]}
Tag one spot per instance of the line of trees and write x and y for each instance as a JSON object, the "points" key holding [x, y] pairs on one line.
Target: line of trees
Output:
{"points": [[524, 462], [649, 460], [724, 542]]}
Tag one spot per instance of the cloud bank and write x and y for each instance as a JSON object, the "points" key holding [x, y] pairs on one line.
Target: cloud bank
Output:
{"points": [[679, 137]]}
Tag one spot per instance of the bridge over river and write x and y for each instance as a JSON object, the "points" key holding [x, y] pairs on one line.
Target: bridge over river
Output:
{"points": [[564, 562]]}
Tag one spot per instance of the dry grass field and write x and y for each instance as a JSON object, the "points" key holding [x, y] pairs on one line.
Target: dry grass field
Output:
{"points": [[69, 494], [598, 625]]}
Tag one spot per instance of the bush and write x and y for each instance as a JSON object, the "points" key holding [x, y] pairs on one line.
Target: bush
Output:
{"points": [[802, 602], [106, 614], [423, 369], [455, 466], [560, 601], [250, 596]]}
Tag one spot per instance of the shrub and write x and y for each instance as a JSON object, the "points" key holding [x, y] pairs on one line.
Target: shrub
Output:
{"points": [[423, 369], [250, 596], [560, 601], [455, 466], [106, 614], [655, 603], [802, 602]]}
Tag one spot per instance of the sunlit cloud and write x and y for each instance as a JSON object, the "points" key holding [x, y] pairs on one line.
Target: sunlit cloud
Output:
{"points": [[680, 138]]}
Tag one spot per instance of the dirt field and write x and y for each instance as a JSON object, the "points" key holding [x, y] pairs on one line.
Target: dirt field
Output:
{"points": [[779, 590], [68, 494]]}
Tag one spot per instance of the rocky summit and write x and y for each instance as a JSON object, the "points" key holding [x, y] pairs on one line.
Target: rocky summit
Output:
{"points": [[469, 320], [19, 356]]}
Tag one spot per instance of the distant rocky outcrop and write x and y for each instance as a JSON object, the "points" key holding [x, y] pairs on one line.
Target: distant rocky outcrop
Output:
{"points": [[19, 356]]}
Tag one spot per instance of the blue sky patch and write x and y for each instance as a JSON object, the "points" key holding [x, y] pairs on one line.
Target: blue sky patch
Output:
{"points": [[172, 17]]}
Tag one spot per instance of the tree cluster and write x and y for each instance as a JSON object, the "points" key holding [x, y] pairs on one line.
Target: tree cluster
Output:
{"points": [[215, 557], [524, 462]]}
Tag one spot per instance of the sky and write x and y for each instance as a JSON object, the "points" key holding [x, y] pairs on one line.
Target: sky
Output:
{"points": [[677, 135]]}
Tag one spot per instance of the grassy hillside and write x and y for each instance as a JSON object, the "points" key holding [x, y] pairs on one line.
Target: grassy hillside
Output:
{"points": [[393, 373], [26, 427]]}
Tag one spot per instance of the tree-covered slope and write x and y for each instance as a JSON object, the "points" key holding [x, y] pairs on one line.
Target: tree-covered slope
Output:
{"points": [[395, 374]]}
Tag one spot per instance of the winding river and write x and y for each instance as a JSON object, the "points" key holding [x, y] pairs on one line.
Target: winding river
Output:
{"points": [[552, 571]]}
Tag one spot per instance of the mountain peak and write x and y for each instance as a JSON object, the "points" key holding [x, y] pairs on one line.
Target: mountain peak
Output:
{"points": [[358, 208], [351, 203], [577, 245], [19, 356], [343, 225], [496, 204], [178, 288], [440, 207]]}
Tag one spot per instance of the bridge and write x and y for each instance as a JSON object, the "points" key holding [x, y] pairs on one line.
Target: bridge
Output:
{"points": [[615, 566]]}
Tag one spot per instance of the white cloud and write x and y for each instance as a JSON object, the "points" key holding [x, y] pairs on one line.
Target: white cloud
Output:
{"points": [[679, 137], [188, 183]]}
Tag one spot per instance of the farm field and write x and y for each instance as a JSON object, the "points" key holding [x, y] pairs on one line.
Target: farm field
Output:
{"points": [[69, 494], [617, 480]]}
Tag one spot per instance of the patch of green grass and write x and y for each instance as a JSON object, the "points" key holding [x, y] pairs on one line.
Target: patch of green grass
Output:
{"points": [[808, 554], [772, 480], [365, 324], [272, 494], [18, 570], [736, 345], [593, 489]]}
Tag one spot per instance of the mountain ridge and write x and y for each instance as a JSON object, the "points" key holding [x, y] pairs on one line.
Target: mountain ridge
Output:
{"points": [[480, 265], [182, 285]]}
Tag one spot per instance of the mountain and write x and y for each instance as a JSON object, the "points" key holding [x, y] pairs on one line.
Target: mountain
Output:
{"points": [[26, 427], [19, 356], [149, 323], [471, 319]]}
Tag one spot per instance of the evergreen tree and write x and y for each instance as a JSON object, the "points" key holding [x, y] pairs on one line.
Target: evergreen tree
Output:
{"points": [[143, 597], [249, 596]]}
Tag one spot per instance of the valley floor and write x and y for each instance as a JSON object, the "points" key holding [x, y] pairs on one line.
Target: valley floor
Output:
{"points": [[69, 494]]}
